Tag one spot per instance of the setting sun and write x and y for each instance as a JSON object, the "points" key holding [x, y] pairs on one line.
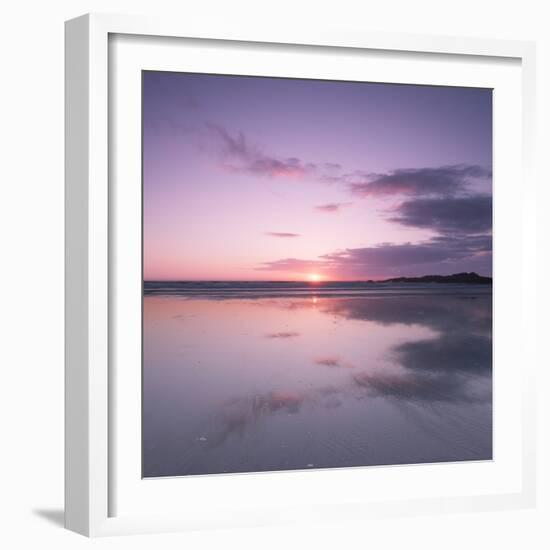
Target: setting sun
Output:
{"points": [[314, 277]]}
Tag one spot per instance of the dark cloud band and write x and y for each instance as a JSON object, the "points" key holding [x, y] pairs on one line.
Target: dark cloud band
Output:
{"points": [[440, 181], [454, 215]]}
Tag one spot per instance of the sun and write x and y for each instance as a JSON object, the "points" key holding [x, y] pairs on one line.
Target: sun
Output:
{"points": [[314, 277]]}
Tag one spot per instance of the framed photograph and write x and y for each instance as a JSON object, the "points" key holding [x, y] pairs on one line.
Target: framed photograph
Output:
{"points": [[297, 275]]}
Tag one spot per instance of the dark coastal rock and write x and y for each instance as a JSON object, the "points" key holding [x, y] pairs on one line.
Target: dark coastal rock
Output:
{"points": [[459, 278]]}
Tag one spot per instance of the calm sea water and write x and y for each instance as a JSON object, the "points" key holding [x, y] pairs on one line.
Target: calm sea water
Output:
{"points": [[243, 377]]}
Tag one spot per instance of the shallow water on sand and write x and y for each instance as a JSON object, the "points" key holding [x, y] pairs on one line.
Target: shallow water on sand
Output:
{"points": [[321, 378]]}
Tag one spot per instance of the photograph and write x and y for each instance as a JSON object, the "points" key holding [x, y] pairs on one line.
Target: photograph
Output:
{"points": [[317, 274]]}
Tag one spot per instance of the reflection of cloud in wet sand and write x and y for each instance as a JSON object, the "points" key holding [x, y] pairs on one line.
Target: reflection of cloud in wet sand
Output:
{"points": [[452, 367], [332, 361], [440, 313], [451, 353], [288, 334], [236, 415], [420, 387], [183, 316]]}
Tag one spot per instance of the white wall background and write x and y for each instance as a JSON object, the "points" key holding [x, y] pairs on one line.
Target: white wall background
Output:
{"points": [[31, 268]]}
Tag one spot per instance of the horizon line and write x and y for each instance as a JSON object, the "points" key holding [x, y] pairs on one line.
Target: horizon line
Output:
{"points": [[381, 279]]}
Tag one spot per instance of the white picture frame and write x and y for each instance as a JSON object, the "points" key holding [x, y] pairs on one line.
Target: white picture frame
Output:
{"points": [[91, 396]]}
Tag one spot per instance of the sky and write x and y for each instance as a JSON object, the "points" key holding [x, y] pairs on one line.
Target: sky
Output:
{"points": [[254, 178]]}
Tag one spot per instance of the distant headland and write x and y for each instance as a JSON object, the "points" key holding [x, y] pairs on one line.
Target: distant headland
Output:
{"points": [[460, 278]]}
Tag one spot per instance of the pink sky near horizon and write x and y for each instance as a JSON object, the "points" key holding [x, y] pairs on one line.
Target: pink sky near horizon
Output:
{"points": [[253, 178]]}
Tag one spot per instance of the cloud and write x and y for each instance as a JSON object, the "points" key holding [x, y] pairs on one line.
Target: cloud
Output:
{"points": [[439, 199], [462, 240], [443, 254], [440, 181], [455, 215], [387, 258], [332, 207], [282, 335], [387, 255], [378, 259], [282, 235], [239, 156], [439, 255]]}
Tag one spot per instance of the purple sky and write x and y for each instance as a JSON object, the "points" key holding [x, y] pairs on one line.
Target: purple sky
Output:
{"points": [[251, 178]]}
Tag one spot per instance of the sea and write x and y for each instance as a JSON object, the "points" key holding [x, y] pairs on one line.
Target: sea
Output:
{"points": [[269, 376]]}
